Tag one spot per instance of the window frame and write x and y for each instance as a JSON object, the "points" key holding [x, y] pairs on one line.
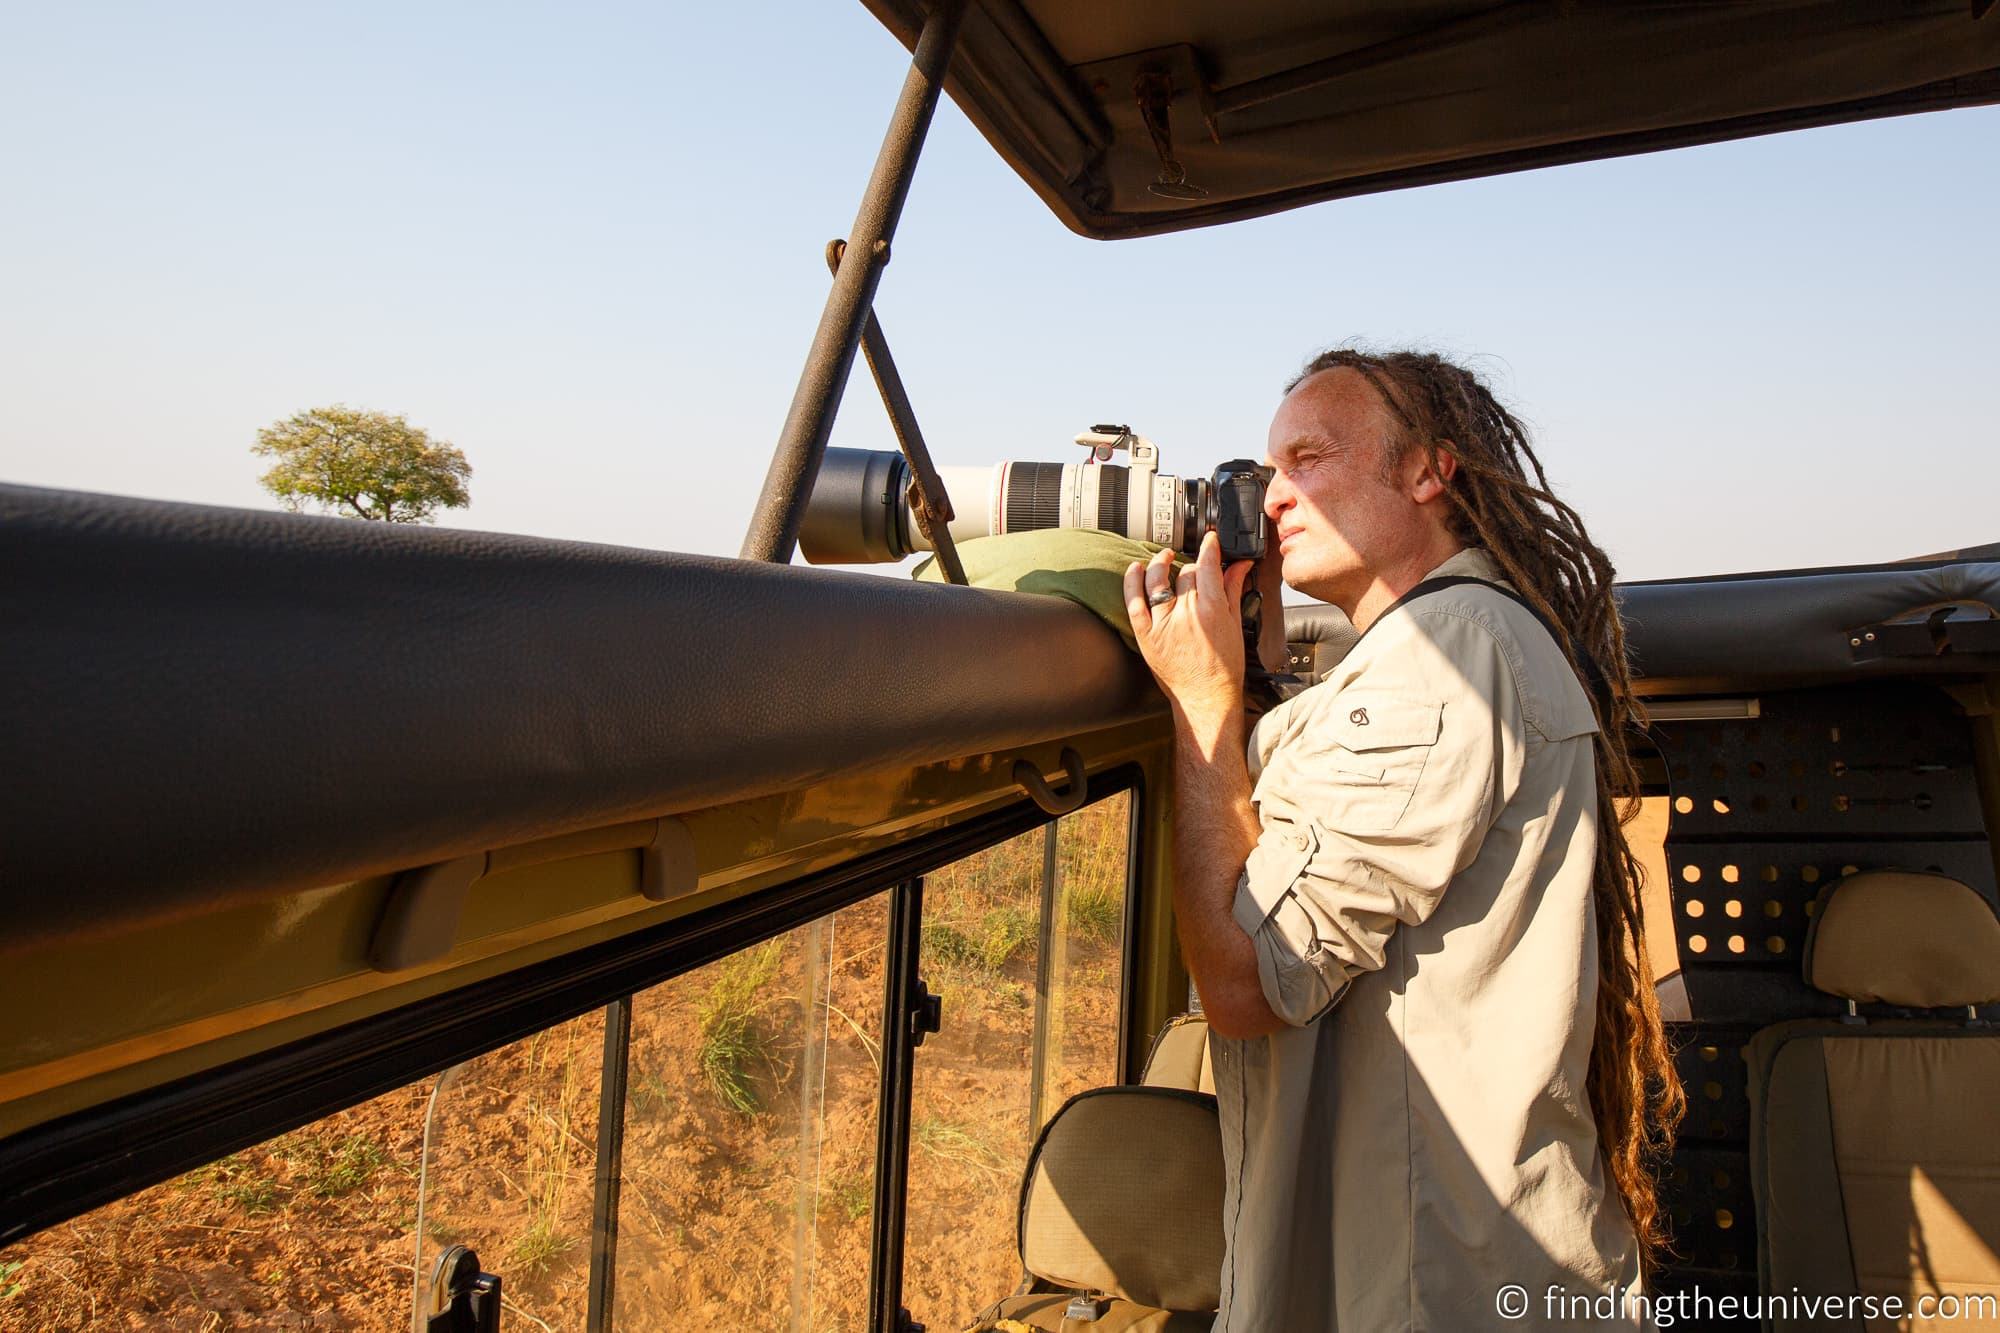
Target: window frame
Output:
{"points": [[60, 1170], [888, 1314]]}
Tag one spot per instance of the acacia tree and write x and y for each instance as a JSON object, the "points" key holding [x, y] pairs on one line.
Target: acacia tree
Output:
{"points": [[362, 464]]}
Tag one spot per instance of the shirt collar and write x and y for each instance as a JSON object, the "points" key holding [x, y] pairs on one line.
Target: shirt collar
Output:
{"points": [[1473, 562]]}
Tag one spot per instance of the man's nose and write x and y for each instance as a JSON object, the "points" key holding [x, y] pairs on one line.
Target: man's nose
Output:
{"points": [[1277, 496]]}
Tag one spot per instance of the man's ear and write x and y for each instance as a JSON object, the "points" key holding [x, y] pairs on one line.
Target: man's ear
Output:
{"points": [[1433, 473]]}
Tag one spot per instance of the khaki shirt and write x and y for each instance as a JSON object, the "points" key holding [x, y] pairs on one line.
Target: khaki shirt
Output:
{"points": [[1420, 900]]}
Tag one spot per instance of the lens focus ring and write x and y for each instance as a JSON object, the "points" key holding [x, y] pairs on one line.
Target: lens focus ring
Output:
{"points": [[1034, 496]]}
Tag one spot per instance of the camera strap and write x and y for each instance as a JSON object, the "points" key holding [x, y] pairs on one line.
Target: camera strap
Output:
{"points": [[1443, 581], [1262, 690]]}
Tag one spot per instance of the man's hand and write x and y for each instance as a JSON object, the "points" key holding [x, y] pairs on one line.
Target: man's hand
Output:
{"points": [[1190, 632]]}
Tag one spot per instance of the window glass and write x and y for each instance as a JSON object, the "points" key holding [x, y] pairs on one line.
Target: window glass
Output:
{"points": [[1022, 942], [748, 1186], [747, 1190], [510, 1171], [746, 1197], [315, 1228], [1086, 953], [1647, 836]]}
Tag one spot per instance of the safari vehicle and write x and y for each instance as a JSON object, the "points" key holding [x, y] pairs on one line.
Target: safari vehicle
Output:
{"points": [[449, 929]]}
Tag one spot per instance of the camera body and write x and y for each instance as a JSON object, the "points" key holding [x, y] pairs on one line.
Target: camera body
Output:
{"points": [[859, 512], [1236, 509], [1231, 501]]}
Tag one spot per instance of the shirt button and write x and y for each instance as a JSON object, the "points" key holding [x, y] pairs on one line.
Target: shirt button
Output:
{"points": [[1298, 842]]}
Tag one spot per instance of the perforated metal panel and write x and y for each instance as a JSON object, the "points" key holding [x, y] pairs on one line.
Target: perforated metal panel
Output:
{"points": [[1765, 812], [1888, 760], [1751, 901], [1768, 810], [1712, 1214], [1713, 1210], [1710, 1061]]}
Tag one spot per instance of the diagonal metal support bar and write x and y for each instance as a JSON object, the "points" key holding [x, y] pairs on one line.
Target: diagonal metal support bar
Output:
{"points": [[774, 528], [928, 500]]}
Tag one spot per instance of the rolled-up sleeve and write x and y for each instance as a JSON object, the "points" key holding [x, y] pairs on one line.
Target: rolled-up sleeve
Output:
{"points": [[1377, 795]]}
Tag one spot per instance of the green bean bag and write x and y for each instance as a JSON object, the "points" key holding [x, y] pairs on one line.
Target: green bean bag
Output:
{"points": [[1086, 565]]}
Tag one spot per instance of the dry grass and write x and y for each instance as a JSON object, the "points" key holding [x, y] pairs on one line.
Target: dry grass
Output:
{"points": [[557, 1159], [732, 1039], [951, 1141]]}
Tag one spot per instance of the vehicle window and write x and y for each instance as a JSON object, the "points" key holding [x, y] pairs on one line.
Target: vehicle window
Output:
{"points": [[1086, 949], [510, 1171], [750, 1128], [748, 1182], [747, 1175], [1647, 836], [1022, 942], [315, 1228], [746, 1196]]}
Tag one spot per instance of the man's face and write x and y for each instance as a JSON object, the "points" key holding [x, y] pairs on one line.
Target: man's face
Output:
{"points": [[1338, 522]]}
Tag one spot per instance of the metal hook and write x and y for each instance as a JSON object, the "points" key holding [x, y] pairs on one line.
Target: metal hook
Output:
{"points": [[1037, 786]]}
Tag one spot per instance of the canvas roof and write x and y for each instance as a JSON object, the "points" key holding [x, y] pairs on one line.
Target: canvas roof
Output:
{"points": [[1271, 104]]}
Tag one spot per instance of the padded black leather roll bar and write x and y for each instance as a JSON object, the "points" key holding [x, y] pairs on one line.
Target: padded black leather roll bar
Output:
{"points": [[1805, 627], [204, 704], [1795, 627], [201, 704]]}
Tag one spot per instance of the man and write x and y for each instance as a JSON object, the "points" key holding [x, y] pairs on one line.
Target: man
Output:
{"points": [[1416, 936]]}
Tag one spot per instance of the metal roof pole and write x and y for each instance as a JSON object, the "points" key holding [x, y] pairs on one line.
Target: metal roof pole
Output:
{"points": [[774, 528]]}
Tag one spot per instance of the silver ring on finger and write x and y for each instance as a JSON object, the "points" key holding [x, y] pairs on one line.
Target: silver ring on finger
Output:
{"points": [[1160, 596]]}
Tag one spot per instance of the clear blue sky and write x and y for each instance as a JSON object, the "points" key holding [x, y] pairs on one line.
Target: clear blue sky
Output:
{"points": [[584, 245]]}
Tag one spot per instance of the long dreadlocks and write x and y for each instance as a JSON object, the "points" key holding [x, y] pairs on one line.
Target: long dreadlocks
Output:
{"points": [[1540, 542]]}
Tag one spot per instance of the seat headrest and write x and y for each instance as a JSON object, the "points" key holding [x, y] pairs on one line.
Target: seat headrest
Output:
{"points": [[1123, 1196], [1180, 1056], [1911, 938]]}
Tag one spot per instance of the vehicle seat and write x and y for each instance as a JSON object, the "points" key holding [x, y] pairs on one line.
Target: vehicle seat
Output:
{"points": [[1317, 637], [1179, 1058], [1120, 1227], [1872, 1147]]}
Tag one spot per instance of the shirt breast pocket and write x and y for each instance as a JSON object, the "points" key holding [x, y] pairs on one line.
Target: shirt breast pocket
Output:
{"points": [[1383, 741]]}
